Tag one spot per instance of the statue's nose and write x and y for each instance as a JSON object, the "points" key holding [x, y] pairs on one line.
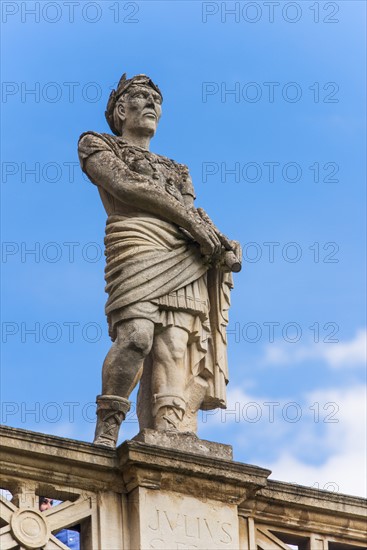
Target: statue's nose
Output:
{"points": [[150, 102]]}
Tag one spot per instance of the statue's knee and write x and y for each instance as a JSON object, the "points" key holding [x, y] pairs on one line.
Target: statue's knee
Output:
{"points": [[135, 335], [140, 340]]}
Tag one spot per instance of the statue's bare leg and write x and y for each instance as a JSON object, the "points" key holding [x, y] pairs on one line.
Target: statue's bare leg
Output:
{"points": [[122, 370], [169, 378]]}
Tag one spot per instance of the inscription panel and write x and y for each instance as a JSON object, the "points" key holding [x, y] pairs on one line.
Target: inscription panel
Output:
{"points": [[176, 522]]}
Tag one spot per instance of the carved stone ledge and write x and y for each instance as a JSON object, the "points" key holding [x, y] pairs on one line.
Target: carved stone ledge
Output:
{"points": [[307, 509], [41, 457], [189, 473]]}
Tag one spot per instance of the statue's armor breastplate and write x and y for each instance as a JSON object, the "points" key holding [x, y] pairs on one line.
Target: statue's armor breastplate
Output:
{"points": [[172, 176], [167, 173]]}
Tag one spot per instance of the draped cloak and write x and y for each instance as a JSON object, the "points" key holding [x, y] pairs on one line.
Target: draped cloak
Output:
{"points": [[154, 271]]}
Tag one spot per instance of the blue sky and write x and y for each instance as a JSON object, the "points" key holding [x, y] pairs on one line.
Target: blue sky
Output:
{"points": [[295, 200]]}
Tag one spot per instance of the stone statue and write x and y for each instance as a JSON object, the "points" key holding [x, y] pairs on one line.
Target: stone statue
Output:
{"points": [[168, 274]]}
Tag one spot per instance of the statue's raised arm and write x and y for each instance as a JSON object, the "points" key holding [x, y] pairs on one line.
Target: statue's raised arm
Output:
{"points": [[168, 274]]}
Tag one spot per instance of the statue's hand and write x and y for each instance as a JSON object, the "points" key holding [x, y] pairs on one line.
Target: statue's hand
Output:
{"points": [[204, 235], [237, 249]]}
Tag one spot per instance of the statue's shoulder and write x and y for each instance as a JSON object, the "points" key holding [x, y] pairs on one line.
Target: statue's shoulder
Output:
{"points": [[92, 140]]}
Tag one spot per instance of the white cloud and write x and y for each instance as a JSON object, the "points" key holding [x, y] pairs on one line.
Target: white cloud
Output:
{"points": [[352, 353], [342, 473], [348, 354], [344, 470], [325, 448]]}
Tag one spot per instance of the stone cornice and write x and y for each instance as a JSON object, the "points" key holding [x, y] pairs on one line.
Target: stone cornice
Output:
{"points": [[187, 472], [38, 457], [288, 506]]}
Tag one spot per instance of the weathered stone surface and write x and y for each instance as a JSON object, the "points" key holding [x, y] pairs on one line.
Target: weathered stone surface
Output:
{"points": [[166, 520], [168, 274], [185, 441], [143, 496]]}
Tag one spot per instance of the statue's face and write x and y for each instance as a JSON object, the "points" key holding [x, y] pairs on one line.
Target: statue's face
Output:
{"points": [[141, 110]]}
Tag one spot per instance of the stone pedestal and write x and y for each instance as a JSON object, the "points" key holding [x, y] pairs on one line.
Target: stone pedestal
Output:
{"points": [[162, 491], [184, 492]]}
